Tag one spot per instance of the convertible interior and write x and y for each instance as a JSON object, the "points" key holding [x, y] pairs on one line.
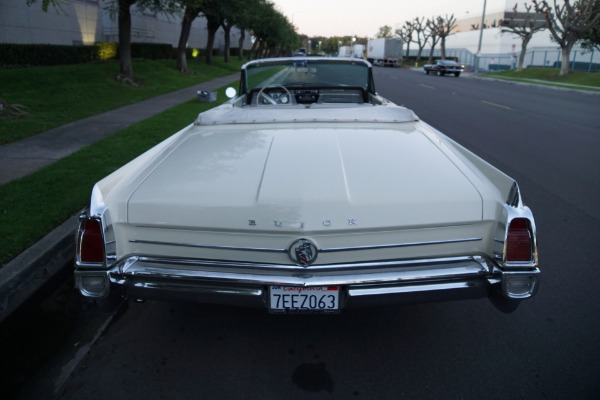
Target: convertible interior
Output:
{"points": [[292, 81]]}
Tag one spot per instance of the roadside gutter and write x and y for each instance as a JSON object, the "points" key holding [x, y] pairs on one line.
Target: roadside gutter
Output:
{"points": [[539, 82], [30, 270]]}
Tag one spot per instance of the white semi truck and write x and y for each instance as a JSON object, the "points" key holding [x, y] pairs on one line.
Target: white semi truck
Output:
{"points": [[345, 51], [384, 52]]}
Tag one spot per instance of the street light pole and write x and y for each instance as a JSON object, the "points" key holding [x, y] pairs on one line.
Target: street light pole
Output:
{"points": [[293, 31], [480, 37]]}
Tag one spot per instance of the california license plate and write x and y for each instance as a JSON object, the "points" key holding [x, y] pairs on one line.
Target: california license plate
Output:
{"points": [[304, 299]]}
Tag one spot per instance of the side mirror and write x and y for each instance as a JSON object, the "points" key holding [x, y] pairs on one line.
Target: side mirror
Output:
{"points": [[230, 92]]}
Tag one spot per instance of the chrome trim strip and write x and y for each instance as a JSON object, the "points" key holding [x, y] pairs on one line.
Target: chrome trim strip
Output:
{"points": [[125, 264], [391, 246], [326, 250], [207, 246], [199, 289], [407, 289]]}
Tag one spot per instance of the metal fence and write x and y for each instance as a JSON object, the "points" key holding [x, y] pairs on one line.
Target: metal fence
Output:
{"points": [[580, 59]]}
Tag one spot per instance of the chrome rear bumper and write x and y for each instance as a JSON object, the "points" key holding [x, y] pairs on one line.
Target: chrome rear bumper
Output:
{"points": [[362, 284]]}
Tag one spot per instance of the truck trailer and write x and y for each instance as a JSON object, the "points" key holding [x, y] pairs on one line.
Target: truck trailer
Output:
{"points": [[345, 51], [385, 52], [358, 51]]}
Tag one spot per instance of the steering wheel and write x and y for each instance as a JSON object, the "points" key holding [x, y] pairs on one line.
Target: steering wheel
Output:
{"points": [[284, 98]]}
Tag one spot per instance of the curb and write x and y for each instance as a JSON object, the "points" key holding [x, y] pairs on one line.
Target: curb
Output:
{"points": [[548, 86], [30, 270]]}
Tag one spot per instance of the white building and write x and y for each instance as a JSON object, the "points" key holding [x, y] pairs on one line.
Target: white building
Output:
{"points": [[88, 22], [501, 50]]}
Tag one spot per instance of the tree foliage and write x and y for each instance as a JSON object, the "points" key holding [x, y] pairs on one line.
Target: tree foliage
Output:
{"points": [[385, 32], [591, 38], [272, 31], [47, 3]]}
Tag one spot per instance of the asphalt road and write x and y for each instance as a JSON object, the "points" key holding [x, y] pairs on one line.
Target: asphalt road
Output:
{"points": [[546, 139]]}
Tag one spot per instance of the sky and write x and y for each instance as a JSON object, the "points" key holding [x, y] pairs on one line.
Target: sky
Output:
{"points": [[364, 17]]}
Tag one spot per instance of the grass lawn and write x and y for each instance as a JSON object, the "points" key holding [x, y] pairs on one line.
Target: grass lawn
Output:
{"points": [[32, 206], [550, 76], [58, 95]]}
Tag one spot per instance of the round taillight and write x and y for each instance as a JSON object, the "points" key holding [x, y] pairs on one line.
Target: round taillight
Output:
{"points": [[519, 243], [91, 245]]}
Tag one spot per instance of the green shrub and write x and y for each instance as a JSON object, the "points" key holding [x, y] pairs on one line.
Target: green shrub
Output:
{"points": [[28, 55], [107, 50], [45, 54], [152, 51]]}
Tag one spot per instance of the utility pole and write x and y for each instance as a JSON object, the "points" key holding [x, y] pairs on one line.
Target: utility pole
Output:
{"points": [[480, 37]]}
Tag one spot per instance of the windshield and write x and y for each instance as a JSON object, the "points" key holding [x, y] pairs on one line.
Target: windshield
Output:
{"points": [[306, 72]]}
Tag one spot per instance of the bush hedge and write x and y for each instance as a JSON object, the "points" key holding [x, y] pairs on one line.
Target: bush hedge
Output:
{"points": [[152, 51], [45, 54], [50, 54]]}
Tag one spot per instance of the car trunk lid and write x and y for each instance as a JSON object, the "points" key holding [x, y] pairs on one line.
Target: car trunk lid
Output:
{"points": [[315, 178]]}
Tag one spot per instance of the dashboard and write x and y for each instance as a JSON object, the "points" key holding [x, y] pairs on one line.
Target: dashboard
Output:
{"points": [[280, 95]]}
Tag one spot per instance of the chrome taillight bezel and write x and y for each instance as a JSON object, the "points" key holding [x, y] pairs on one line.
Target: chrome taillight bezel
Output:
{"points": [[84, 219], [514, 213]]}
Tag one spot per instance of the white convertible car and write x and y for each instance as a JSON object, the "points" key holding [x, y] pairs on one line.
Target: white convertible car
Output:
{"points": [[308, 192]]}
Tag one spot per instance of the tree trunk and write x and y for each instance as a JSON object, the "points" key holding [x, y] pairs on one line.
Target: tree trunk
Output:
{"points": [[259, 50], [212, 25], [443, 47], [227, 30], [419, 54], [564, 58], [209, 45], [186, 26], [125, 39], [252, 53], [523, 51], [431, 53], [241, 44]]}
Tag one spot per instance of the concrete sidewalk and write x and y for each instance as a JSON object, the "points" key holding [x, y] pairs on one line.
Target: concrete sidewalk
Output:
{"points": [[25, 156], [28, 272]]}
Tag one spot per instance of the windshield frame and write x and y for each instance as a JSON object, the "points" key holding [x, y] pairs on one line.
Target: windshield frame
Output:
{"points": [[245, 88]]}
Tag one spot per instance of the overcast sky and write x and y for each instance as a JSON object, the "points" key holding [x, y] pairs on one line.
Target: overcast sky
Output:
{"points": [[364, 17]]}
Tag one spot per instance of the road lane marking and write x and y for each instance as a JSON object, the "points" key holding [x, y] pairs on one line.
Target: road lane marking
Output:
{"points": [[428, 87], [496, 105]]}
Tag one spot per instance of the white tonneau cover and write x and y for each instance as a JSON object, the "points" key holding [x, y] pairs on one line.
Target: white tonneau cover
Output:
{"points": [[232, 114]]}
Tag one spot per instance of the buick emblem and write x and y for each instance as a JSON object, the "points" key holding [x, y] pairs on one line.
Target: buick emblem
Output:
{"points": [[303, 252]]}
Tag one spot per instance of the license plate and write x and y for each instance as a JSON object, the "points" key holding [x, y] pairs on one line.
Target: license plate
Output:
{"points": [[304, 299]]}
